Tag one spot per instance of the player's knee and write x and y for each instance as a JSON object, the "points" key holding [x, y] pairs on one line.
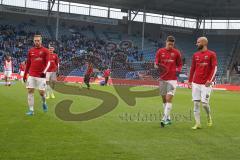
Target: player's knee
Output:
{"points": [[169, 98], [205, 105], [197, 102], [196, 107], [30, 90], [42, 93]]}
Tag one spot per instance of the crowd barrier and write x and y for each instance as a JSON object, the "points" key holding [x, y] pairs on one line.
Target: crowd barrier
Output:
{"points": [[113, 81]]}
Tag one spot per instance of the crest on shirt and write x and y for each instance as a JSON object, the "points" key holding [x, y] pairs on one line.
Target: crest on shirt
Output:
{"points": [[40, 52], [197, 58], [205, 57], [172, 54]]}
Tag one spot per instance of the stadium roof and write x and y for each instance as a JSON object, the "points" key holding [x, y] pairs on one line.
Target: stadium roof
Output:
{"points": [[216, 9]]}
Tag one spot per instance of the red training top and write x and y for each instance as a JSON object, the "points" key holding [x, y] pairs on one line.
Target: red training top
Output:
{"points": [[37, 62], [204, 67], [172, 60], [54, 61]]}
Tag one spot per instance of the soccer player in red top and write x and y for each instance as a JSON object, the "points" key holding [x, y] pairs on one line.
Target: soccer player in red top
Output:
{"points": [[202, 74], [22, 69], [51, 76], [106, 75], [170, 59], [8, 70], [37, 66], [88, 74]]}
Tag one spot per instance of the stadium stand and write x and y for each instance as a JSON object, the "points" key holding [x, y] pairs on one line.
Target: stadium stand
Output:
{"points": [[113, 47]]}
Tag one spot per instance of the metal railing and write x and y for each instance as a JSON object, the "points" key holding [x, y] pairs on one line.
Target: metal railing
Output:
{"points": [[68, 7]]}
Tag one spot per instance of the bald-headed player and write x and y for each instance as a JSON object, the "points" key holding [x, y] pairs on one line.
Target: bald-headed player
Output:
{"points": [[51, 76], [202, 74]]}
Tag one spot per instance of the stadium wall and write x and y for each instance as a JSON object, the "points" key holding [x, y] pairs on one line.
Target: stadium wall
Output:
{"points": [[126, 82]]}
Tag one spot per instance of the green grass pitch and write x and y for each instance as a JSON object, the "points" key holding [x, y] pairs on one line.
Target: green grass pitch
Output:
{"points": [[116, 135]]}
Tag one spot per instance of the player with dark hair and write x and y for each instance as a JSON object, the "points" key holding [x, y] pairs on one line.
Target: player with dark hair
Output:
{"points": [[168, 58], [51, 75]]}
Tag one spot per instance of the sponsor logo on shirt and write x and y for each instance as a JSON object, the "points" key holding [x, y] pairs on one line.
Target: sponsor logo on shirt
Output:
{"points": [[203, 64], [38, 59], [168, 60]]}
